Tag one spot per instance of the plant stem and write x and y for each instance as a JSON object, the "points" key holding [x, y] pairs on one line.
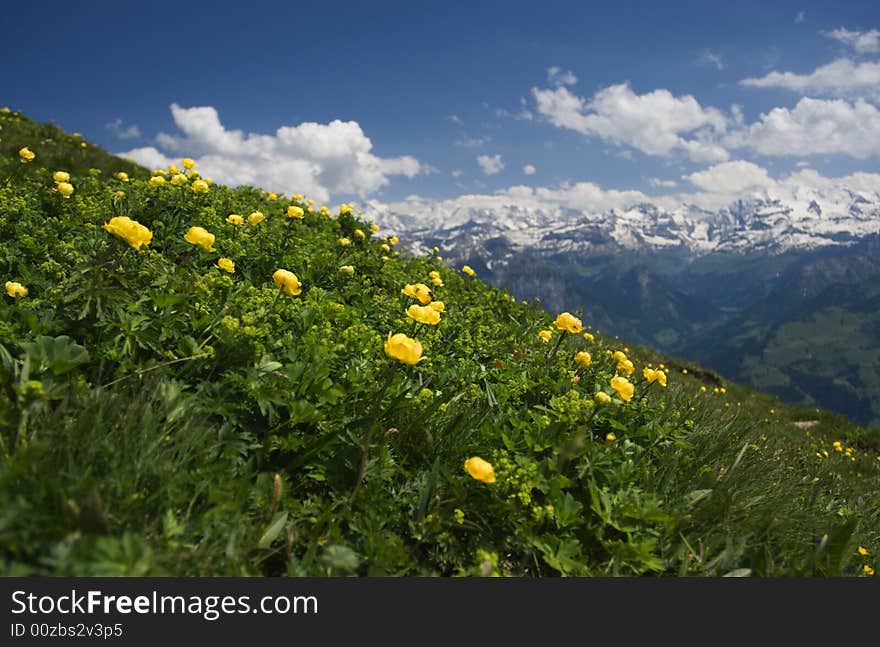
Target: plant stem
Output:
{"points": [[374, 417], [555, 348]]}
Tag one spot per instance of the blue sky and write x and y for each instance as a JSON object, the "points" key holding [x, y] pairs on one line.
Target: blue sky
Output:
{"points": [[384, 100]]}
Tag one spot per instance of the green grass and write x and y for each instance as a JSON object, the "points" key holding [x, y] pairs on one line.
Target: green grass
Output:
{"points": [[161, 416]]}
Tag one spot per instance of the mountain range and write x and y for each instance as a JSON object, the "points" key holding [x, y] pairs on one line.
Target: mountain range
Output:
{"points": [[782, 293]]}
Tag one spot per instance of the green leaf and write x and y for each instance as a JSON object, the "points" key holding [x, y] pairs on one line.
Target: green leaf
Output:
{"points": [[274, 529]]}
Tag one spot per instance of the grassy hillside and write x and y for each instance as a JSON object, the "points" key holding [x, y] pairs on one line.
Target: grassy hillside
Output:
{"points": [[171, 404]]}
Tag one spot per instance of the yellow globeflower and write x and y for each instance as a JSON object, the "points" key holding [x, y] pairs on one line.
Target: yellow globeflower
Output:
{"points": [[157, 180], [226, 264], [298, 197], [385, 248], [583, 358], [344, 242], [619, 355], [345, 208], [122, 176], [295, 212], [347, 270], [626, 366], [201, 237], [359, 234], [589, 337], [404, 349], [173, 170], [65, 189], [131, 231], [419, 291], [863, 551], [288, 282], [374, 228], [423, 314], [623, 387], [61, 176], [439, 306], [480, 469], [273, 196], [26, 155], [234, 219], [256, 218], [467, 269], [200, 186], [187, 163], [178, 179], [545, 334], [393, 240], [15, 289], [602, 398], [684, 371], [569, 323], [868, 570], [610, 437]]}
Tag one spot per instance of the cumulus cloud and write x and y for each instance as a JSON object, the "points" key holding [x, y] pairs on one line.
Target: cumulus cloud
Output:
{"points": [[311, 158], [558, 77], [529, 169], [730, 177], [840, 78], [491, 164], [864, 42], [121, 131], [656, 123], [812, 127]]}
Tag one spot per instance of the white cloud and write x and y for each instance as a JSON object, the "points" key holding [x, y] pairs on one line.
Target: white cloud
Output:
{"points": [[864, 42], [712, 58], [123, 132], [559, 77], [800, 17], [662, 184], [840, 78], [311, 158], [491, 164], [657, 123], [814, 126], [456, 120], [457, 172], [472, 142], [529, 169], [730, 177]]}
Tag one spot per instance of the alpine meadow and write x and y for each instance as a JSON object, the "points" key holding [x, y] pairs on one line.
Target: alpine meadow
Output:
{"points": [[201, 380]]}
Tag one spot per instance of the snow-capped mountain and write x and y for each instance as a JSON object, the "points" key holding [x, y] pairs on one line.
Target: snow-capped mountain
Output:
{"points": [[811, 220]]}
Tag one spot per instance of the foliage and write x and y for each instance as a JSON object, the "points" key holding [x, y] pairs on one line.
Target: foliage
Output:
{"points": [[163, 415]]}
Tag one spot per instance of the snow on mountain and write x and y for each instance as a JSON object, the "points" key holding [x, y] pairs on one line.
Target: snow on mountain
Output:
{"points": [[808, 218]]}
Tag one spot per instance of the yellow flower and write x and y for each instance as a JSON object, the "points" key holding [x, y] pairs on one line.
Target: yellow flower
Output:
{"points": [[545, 334], [310, 201], [234, 219], [187, 163], [131, 231], [702, 389], [480, 469], [393, 240], [347, 270], [863, 551], [359, 233], [26, 155], [602, 398], [723, 390], [626, 366], [583, 358], [226, 264], [122, 176], [569, 323], [439, 306], [468, 270], [61, 176], [295, 212], [419, 291], [661, 378], [619, 355], [65, 189], [201, 237], [684, 371], [256, 218], [868, 570], [589, 337], [374, 228], [298, 197], [178, 179], [157, 180], [623, 387], [385, 248], [273, 196], [345, 208], [438, 282], [610, 437], [173, 170], [200, 186], [15, 289], [83, 145], [288, 282], [423, 314], [403, 349], [344, 242]]}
